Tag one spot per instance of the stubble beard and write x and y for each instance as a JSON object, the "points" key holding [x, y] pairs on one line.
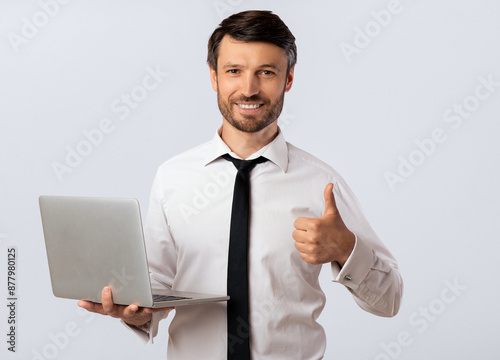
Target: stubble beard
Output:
{"points": [[250, 123]]}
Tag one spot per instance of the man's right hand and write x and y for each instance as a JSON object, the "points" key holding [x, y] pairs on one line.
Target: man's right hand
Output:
{"points": [[131, 314]]}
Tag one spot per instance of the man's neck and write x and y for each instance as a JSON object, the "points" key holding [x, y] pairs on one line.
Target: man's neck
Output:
{"points": [[245, 144]]}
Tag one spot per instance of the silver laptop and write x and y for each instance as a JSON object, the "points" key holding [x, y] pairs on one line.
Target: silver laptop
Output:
{"points": [[94, 242]]}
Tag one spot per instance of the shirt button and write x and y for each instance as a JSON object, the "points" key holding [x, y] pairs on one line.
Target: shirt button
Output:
{"points": [[347, 277]]}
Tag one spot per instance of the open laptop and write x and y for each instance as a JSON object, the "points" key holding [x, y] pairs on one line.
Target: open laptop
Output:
{"points": [[94, 242]]}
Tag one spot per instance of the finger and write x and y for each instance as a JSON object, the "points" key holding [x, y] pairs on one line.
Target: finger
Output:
{"points": [[299, 236], [310, 259], [301, 247], [107, 301], [85, 304], [301, 223], [130, 310], [307, 258], [151, 310], [91, 306], [330, 204]]}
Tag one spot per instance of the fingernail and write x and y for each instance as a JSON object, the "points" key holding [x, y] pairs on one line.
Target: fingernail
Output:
{"points": [[106, 290]]}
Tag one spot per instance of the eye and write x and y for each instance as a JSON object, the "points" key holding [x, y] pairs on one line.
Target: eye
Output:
{"points": [[267, 72], [233, 71]]}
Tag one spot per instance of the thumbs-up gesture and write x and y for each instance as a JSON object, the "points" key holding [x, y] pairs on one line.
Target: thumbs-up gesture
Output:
{"points": [[324, 239]]}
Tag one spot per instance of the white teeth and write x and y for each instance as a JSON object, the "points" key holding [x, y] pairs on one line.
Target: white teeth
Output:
{"points": [[249, 106]]}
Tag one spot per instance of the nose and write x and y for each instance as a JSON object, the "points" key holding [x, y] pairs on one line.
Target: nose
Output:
{"points": [[250, 85]]}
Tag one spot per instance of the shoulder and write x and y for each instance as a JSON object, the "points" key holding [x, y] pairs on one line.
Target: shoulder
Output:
{"points": [[178, 171], [188, 158], [301, 159]]}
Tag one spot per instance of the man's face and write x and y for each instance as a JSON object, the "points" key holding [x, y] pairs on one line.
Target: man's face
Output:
{"points": [[251, 82]]}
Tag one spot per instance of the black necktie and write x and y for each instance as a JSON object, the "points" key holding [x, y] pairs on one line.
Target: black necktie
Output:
{"points": [[238, 324]]}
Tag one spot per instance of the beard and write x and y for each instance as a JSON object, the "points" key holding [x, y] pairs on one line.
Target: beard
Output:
{"points": [[251, 123]]}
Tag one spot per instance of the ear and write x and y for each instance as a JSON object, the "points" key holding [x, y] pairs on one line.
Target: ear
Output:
{"points": [[213, 78], [289, 79]]}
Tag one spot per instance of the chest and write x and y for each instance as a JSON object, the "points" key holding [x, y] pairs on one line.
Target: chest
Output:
{"points": [[199, 211]]}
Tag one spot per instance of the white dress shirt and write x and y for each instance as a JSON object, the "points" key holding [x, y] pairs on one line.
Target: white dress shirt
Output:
{"points": [[187, 236]]}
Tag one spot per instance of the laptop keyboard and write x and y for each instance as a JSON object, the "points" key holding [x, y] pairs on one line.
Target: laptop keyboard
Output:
{"points": [[157, 298]]}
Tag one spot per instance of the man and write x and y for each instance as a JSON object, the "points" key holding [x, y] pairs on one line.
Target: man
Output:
{"points": [[301, 215]]}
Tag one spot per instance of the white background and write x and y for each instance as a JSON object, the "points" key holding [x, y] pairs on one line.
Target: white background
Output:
{"points": [[62, 69]]}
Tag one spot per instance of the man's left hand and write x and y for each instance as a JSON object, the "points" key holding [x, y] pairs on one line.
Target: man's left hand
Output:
{"points": [[324, 239]]}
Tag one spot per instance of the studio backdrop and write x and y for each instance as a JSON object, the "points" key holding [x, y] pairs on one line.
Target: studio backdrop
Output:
{"points": [[401, 97]]}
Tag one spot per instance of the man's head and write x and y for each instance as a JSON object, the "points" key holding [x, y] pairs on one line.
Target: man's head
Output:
{"points": [[251, 57], [253, 26]]}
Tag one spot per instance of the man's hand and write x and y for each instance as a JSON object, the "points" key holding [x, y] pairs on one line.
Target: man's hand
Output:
{"points": [[324, 239], [131, 314]]}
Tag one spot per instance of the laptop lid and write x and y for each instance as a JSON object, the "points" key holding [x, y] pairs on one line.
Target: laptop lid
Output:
{"points": [[93, 242]]}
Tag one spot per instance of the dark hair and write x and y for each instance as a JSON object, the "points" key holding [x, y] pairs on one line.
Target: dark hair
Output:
{"points": [[253, 25]]}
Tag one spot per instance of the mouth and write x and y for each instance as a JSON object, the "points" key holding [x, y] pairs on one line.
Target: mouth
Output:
{"points": [[249, 106]]}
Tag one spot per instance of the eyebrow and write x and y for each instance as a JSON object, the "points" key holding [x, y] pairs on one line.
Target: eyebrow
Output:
{"points": [[263, 66]]}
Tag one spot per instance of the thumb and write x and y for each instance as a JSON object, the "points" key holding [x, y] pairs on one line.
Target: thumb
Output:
{"points": [[330, 204]]}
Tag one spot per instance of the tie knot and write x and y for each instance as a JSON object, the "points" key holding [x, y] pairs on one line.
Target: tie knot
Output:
{"points": [[244, 165]]}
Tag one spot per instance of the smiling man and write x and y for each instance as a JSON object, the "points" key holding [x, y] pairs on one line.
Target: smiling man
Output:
{"points": [[250, 80], [265, 247]]}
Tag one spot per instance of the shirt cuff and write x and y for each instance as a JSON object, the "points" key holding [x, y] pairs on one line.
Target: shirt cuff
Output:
{"points": [[357, 266], [141, 331], [149, 330]]}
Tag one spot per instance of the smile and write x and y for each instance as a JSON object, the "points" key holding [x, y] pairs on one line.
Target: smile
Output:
{"points": [[250, 106]]}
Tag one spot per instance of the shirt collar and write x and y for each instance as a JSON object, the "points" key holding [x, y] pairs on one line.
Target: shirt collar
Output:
{"points": [[276, 151]]}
